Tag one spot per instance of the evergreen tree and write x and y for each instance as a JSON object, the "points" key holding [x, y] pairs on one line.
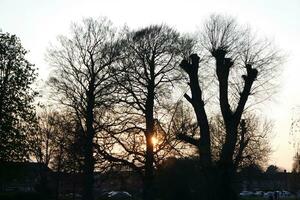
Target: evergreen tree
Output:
{"points": [[16, 97]]}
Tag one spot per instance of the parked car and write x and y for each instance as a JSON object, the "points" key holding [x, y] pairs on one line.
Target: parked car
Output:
{"points": [[116, 195], [268, 194], [72, 195], [259, 193], [246, 193]]}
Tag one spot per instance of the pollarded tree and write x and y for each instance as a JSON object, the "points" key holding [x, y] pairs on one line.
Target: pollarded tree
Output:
{"points": [[82, 81], [243, 66], [17, 113], [145, 76]]}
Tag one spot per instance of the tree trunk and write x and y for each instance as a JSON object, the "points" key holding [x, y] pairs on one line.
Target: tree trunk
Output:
{"points": [[149, 168], [88, 188], [88, 171], [226, 185], [217, 183], [58, 172], [198, 105], [203, 144]]}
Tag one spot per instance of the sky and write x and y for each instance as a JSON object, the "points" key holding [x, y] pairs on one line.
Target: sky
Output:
{"points": [[38, 22]]}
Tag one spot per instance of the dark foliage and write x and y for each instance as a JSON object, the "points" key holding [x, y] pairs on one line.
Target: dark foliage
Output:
{"points": [[16, 96]]}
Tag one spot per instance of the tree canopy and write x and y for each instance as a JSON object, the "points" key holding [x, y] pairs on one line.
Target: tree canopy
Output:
{"points": [[16, 97]]}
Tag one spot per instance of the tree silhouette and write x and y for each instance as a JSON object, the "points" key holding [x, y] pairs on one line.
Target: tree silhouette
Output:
{"points": [[272, 169], [81, 80], [296, 164], [17, 114], [144, 76], [243, 66]]}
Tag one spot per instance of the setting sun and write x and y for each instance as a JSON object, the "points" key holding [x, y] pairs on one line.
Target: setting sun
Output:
{"points": [[154, 141]]}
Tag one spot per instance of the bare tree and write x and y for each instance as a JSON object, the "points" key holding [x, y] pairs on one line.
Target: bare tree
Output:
{"points": [[82, 81], [42, 138], [145, 76], [244, 66], [296, 164], [53, 144], [55, 138], [253, 143]]}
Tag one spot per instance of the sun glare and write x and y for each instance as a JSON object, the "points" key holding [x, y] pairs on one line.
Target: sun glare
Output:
{"points": [[154, 141]]}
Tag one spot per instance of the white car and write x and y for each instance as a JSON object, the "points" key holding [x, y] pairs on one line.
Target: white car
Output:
{"points": [[259, 193], [119, 195], [246, 193]]}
